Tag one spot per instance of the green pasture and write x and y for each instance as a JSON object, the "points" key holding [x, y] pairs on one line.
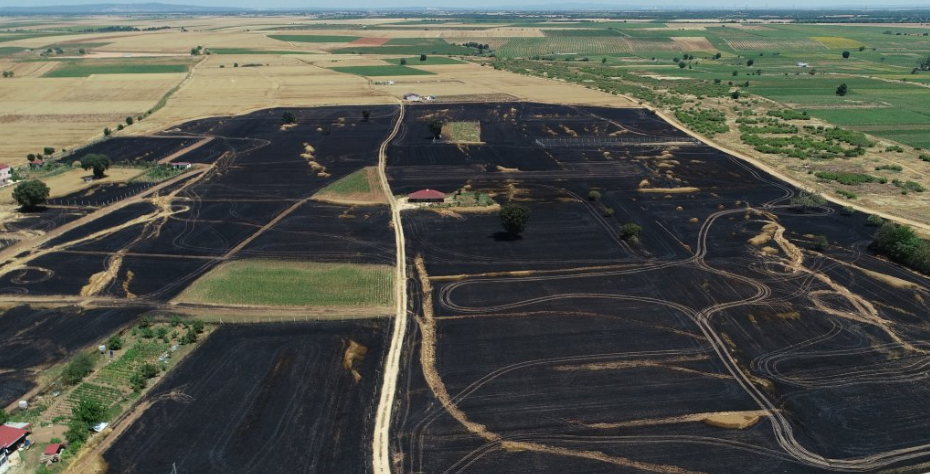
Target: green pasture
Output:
{"points": [[374, 71]]}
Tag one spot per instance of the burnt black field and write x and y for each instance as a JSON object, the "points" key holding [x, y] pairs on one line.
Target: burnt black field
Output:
{"points": [[569, 349], [256, 174], [602, 355], [35, 338], [261, 398]]}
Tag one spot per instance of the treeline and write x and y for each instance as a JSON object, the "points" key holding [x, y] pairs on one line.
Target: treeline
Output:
{"points": [[899, 243]]}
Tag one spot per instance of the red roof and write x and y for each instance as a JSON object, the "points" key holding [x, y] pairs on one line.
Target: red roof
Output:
{"points": [[53, 449], [426, 194], [10, 436], [4, 166]]}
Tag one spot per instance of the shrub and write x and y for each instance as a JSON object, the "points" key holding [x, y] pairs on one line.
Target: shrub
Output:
{"points": [[77, 432], [889, 168], [79, 367], [924, 157], [874, 220], [849, 178], [631, 231], [594, 195], [899, 243], [608, 212], [114, 343], [846, 194], [4, 417], [820, 243], [806, 200], [288, 118], [842, 90]]}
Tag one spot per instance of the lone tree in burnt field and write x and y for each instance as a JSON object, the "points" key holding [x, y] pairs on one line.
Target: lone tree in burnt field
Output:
{"points": [[30, 194], [514, 218], [98, 163], [365, 115], [289, 118], [435, 127]]}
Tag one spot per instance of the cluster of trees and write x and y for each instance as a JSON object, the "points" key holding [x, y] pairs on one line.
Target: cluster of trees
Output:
{"points": [[79, 367], [288, 118], [7, 73], [197, 51], [86, 413], [899, 243]]}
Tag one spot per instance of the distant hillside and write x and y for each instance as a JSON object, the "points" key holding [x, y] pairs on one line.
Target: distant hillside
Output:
{"points": [[104, 8]]}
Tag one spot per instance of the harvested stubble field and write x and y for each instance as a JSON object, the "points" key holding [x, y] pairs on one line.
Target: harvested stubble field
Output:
{"points": [[276, 397], [716, 342]]}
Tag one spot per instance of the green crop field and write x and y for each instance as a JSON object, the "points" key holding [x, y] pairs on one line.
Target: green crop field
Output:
{"points": [[409, 46], [430, 61], [315, 38], [253, 51], [355, 183], [77, 69], [373, 71], [289, 283]]}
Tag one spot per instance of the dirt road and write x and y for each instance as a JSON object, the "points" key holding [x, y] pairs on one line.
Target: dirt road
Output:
{"points": [[381, 444]]}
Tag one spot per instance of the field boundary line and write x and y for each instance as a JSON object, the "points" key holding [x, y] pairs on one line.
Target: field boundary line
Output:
{"points": [[24, 245], [381, 444]]}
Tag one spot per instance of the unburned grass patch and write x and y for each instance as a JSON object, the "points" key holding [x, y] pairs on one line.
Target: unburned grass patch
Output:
{"points": [[462, 132], [291, 283], [314, 38], [80, 68], [382, 71], [360, 187]]}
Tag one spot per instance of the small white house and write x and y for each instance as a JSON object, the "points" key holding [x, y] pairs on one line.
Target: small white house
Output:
{"points": [[6, 174], [802, 64], [411, 97], [181, 165]]}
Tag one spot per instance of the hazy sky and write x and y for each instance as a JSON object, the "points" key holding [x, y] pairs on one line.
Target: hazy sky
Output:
{"points": [[375, 4]]}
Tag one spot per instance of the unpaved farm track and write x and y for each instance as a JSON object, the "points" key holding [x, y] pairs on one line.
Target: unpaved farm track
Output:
{"points": [[381, 460]]}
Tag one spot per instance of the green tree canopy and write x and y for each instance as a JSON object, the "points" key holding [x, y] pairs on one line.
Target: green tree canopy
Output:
{"points": [[97, 162], [514, 218], [289, 118], [631, 231], [435, 127], [842, 90], [31, 194]]}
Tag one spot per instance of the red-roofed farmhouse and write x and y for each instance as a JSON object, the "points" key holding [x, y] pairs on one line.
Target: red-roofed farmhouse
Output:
{"points": [[426, 195]]}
